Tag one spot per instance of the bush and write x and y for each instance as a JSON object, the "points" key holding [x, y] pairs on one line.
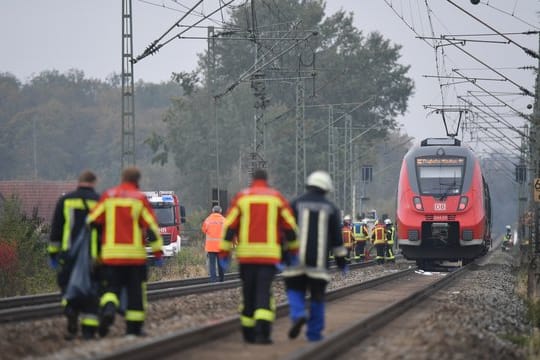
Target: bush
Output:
{"points": [[23, 261]]}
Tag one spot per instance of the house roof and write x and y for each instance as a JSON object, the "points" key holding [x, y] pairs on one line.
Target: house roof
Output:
{"points": [[36, 195]]}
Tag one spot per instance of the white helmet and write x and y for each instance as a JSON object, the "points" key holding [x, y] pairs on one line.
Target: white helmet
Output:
{"points": [[216, 209], [387, 221], [320, 179], [508, 227], [347, 218]]}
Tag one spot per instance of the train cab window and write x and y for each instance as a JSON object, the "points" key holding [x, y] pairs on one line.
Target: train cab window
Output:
{"points": [[440, 176]]}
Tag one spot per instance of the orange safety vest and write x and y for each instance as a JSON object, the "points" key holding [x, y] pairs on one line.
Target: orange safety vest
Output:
{"points": [[125, 214], [212, 226], [379, 235], [258, 215]]}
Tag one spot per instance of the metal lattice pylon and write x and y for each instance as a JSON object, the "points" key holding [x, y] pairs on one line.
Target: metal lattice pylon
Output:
{"points": [[128, 103]]}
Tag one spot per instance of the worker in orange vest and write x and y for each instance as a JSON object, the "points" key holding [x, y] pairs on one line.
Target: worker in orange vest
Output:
{"points": [[212, 227]]}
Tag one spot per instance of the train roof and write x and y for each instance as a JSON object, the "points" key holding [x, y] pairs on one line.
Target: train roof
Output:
{"points": [[441, 147]]}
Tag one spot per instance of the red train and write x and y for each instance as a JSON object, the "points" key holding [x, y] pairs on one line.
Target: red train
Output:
{"points": [[443, 204]]}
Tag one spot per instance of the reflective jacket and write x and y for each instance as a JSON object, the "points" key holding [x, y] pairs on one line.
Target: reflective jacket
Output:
{"points": [[347, 234], [125, 214], [68, 220], [378, 235], [360, 232], [257, 216], [319, 232], [390, 234], [212, 226]]}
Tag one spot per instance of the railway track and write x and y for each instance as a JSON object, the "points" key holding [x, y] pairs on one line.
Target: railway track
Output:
{"points": [[353, 312], [22, 308]]}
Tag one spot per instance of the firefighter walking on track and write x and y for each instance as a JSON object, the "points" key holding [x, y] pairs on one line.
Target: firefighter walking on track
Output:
{"points": [[318, 232], [68, 221], [259, 215], [127, 218]]}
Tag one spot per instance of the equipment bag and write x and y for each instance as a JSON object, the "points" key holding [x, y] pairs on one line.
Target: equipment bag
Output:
{"points": [[82, 285]]}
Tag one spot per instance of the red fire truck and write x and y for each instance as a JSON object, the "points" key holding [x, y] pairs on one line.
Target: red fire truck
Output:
{"points": [[170, 216]]}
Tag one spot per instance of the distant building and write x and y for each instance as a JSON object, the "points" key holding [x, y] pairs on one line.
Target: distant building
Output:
{"points": [[36, 196]]}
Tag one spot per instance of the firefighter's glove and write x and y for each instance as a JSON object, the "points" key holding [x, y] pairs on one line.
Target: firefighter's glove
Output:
{"points": [[158, 259], [225, 263], [53, 262]]}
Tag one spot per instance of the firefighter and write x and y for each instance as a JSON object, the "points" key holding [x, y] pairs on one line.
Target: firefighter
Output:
{"points": [[507, 237], [127, 218], [212, 227], [319, 230], [390, 236], [378, 237], [260, 217], [347, 234], [68, 221], [361, 236]]}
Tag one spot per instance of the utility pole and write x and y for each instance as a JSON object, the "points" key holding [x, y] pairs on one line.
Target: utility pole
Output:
{"points": [[259, 91], [332, 150], [300, 159], [533, 290], [128, 103]]}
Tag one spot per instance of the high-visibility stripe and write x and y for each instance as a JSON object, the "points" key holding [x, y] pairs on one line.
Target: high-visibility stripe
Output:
{"points": [[264, 314], [70, 205], [247, 321], [135, 315], [89, 320], [109, 297]]}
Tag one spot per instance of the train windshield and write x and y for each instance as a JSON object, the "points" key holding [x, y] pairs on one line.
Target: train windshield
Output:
{"points": [[164, 214], [440, 176]]}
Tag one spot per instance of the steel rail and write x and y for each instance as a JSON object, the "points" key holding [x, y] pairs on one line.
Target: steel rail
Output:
{"points": [[184, 339], [41, 306]]}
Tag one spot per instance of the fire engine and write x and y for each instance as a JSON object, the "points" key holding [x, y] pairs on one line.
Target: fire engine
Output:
{"points": [[170, 216]]}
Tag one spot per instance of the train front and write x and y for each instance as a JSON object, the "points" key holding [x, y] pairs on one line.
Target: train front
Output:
{"points": [[442, 201]]}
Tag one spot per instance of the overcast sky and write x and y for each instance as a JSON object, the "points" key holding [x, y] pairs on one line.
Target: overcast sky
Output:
{"points": [[39, 35]]}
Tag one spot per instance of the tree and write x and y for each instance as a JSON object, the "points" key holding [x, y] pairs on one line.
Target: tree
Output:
{"points": [[348, 67]]}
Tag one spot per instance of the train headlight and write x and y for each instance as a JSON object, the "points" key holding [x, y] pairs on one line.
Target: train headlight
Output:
{"points": [[413, 235], [463, 201], [418, 203], [467, 235]]}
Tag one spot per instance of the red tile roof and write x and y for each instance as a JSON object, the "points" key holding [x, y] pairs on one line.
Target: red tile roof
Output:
{"points": [[40, 195]]}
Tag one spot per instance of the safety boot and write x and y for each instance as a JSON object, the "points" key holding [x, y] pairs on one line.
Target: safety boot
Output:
{"points": [[106, 318], [297, 326], [248, 334], [263, 330], [72, 316]]}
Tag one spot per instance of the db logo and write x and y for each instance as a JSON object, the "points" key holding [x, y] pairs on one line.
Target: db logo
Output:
{"points": [[440, 206]]}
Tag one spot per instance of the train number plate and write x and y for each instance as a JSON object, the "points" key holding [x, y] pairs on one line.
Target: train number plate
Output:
{"points": [[439, 207]]}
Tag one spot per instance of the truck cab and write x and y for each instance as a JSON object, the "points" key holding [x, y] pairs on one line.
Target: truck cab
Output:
{"points": [[170, 217]]}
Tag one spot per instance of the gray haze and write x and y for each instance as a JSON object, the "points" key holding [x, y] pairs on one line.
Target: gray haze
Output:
{"points": [[41, 35]]}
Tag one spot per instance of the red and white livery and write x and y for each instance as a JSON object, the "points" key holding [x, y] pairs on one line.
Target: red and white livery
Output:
{"points": [[443, 204]]}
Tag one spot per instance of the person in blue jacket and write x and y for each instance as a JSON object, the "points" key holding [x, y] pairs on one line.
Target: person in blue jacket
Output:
{"points": [[319, 232]]}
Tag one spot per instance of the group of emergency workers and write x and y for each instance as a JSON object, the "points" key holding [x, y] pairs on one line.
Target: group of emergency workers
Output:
{"points": [[119, 223], [267, 233], [357, 238]]}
